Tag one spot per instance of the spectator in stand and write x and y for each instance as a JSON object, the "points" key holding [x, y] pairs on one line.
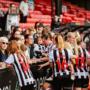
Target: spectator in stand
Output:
{"points": [[60, 19], [38, 33], [55, 23], [12, 28], [3, 20], [25, 50], [36, 26], [40, 28], [29, 44], [15, 34], [31, 30], [26, 32], [3, 47], [21, 37], [39, 49], [20, 66], [18, 28], [46, 30], [23, 7], [18, 42]]}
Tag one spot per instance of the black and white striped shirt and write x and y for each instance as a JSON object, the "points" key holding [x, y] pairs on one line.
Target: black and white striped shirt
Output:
{"points": [[50, 48], [81, 64], [21, 68], [39, 49], [61, 61]]}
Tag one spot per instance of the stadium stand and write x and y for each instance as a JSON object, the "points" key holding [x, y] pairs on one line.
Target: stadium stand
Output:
{"points": [[42, 12]]}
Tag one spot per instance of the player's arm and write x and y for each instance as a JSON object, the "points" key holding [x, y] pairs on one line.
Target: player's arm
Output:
{"points": [[41, 59], [73, 59], [43, 65], [88, 61], [87, 57]]}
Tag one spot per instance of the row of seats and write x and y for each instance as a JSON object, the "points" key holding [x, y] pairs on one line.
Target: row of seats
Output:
{"points": [[73, 14], [40, 16], [28, 25], [33, 20], [74, 9]]}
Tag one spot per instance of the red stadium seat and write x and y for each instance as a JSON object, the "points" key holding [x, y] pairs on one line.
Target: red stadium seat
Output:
{"points": [[79, 19], [70, 15], [32, 20], [46, 21], [26, 25]]}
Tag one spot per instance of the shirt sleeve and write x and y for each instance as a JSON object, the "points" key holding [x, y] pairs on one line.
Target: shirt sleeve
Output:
{"points": [[70, 53], [20, 6], [50, 55], [87, 54], [10, 59]]}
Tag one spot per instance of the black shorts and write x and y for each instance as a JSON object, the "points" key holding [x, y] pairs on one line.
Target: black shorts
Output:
{"points": [[28, 87], [66, 83], [82, 83]]}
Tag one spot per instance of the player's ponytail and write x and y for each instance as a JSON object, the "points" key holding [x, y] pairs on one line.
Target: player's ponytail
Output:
{"points": [[59, 43], [76, 47], [76, 42]]}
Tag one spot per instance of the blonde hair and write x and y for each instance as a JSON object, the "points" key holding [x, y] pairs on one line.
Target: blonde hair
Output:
{"points": [[3, 38], [60, 43], [52, 34], [77, 41], [67, 46], [19, 36], [70, 34], [31, 29], [77, 34]]}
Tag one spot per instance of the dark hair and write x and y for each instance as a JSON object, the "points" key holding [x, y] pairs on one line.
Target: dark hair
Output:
{"points": [[15, 29], [26, 36], [46, 36], [56, 34], [36, 24], [11, 4], [65, 38], [14, 32], [12, 26], [17, 39], [56, 39]]}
